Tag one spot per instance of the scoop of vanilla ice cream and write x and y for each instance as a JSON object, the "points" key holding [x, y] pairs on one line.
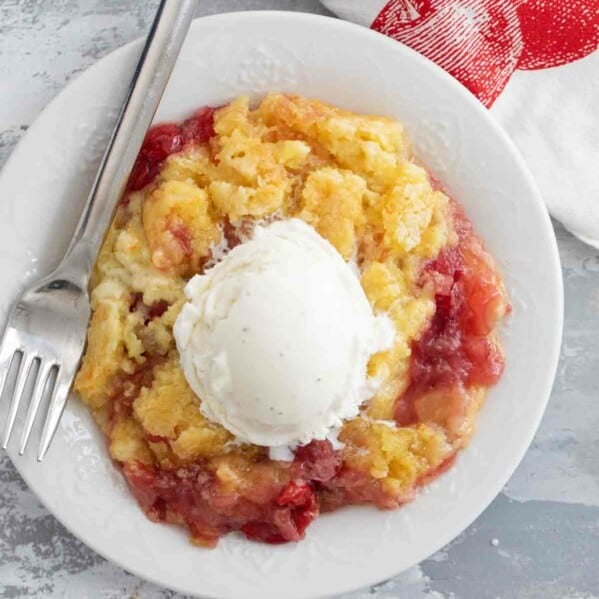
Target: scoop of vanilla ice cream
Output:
{"points": [[275, 339]]}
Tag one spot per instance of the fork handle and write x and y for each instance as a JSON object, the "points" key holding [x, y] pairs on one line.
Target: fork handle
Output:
{"points": [[141, 101]]}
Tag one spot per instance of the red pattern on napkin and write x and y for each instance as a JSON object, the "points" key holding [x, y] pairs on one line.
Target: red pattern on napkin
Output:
{"points": [[482, 42]]}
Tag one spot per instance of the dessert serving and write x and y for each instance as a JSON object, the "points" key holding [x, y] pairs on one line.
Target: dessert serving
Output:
{"points": [[289, 316]]}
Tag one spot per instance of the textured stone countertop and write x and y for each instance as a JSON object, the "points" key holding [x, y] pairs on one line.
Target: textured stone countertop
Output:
{"points": [[540, 537]]}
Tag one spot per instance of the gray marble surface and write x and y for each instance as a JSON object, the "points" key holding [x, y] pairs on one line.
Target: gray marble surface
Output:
{"points": [[540, 537]]}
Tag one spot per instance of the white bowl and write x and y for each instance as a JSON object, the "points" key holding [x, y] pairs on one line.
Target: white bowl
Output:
{"points": [[43, 187]]}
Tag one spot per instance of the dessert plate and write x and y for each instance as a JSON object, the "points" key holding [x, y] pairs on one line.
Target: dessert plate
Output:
{"points": [[43, 186]]}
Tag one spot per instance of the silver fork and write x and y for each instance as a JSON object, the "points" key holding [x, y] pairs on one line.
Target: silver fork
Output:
{"points": [[45, 333]]}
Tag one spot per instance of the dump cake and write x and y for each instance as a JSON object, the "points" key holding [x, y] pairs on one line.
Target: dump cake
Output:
{"points": [[201, 193]]}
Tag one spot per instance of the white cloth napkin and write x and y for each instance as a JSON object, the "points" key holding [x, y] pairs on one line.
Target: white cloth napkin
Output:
{"points": [[534, 64]]}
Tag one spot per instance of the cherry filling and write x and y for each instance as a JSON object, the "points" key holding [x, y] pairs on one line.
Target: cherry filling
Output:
{"points": [[191, 495], [316, 461], [295, 507], [163, 140], [455, 351]]}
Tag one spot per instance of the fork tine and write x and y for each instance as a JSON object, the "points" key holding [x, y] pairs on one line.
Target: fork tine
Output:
{"points": [[58, 400], [41, 383], [7, 355], [17, 396]]}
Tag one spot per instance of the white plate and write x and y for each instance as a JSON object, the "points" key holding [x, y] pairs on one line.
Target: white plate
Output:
{"points": [[43, 187]]}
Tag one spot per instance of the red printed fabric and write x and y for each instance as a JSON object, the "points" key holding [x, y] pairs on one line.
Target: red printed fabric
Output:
{"points": [[482, 42]]}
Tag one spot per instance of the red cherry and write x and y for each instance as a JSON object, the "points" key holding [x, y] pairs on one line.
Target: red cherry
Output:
{"points": [[297, 507], [317, 461], [556, 32], [476, 41], [161, 141], [295, 494], [263, 532], [199, 127], [140, 174]]}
